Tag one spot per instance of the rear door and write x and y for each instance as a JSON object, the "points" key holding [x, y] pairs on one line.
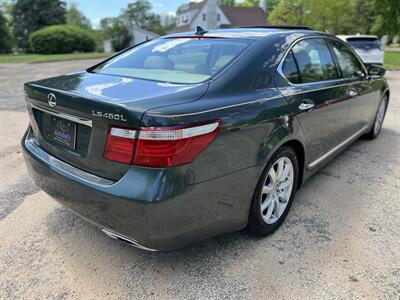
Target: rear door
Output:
{"points": [[364, 96], [310, 81]]}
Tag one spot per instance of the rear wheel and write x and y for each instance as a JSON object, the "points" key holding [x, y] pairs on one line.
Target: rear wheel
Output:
{"points": [[380, 116], [275, 192]]}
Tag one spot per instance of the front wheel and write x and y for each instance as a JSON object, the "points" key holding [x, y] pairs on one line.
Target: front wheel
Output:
{"points": [[275, 192], [380, 116]]}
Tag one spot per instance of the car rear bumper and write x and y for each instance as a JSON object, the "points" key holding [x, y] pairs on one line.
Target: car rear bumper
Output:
{"points": [[155, 208]]}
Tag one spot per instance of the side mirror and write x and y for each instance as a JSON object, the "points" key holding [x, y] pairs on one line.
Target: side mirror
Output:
{"points": [[375, 71]]}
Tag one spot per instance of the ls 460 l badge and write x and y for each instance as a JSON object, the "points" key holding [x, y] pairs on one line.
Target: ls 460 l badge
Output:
{"points": [[109, 116]]}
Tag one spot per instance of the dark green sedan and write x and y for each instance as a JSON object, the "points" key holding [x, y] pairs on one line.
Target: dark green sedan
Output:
{"points": [[197, 134]]}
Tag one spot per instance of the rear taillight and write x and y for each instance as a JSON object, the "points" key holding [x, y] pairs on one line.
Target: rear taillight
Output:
{"points": [[173, 146], [161, 147], [120, 145]]}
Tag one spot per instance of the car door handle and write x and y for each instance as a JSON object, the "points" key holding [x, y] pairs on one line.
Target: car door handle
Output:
{"points": [[306, 106], [353, 93]]}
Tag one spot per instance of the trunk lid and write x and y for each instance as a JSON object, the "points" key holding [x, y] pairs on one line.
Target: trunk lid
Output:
{"points": [[91, 103]]}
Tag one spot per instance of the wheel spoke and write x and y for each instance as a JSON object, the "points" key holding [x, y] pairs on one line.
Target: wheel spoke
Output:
{"points": [[266, 204], [269, 211], [285, 184], [272, 176], [285, 172], [281, 166], [283, 197], [267, 189]]}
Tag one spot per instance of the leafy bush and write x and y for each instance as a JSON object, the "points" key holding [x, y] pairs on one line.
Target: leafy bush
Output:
{"points": [[61, 39], [5, 38]]}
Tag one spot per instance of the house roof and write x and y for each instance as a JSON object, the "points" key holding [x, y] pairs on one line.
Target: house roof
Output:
{"points": [[151, 33], [194, 5], [237, 16], [245, 16]]}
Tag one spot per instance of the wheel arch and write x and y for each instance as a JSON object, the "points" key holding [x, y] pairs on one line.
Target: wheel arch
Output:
{"points": [[298, 147]]}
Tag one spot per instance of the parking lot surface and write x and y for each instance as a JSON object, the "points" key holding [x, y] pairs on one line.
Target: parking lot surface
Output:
{"points": [[341, 238]]}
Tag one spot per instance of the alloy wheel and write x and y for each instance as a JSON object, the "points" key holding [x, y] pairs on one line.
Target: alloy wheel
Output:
{"points": [[380, 116], [277, 189]]}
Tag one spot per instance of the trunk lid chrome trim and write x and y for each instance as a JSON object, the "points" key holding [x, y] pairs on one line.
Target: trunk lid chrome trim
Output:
{"points": [[73, 118]]}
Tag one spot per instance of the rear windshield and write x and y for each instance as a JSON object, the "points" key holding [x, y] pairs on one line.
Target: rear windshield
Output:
{"points": [[177, 60], [367, 43]]}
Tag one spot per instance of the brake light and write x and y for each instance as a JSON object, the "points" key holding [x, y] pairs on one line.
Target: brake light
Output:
{"points": [[160, 147], [120, 145], [173, 146]]}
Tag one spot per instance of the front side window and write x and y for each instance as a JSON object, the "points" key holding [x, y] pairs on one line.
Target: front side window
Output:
{"points": [[349, 64], [177, 60], [314, 60]]}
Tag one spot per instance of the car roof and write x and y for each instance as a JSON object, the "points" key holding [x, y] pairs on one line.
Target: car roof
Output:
{"points": [[246, 32]]}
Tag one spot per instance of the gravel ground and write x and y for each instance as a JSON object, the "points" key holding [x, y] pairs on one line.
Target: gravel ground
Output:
{"points": [[340, 240]]}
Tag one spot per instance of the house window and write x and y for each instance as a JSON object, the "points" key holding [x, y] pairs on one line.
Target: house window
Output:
{"points": [[204, 17], [218, 17]]}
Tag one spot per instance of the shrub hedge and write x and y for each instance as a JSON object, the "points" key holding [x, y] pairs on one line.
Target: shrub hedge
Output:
{"points": [[61, 39]]}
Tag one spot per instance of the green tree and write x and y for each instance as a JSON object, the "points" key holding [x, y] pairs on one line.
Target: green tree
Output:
{"points": [[367, 13], [288, 12], [77, 18], [140, 14], [116, 30], [29, 16], [336, 17], [5, 37], [226, 2], [248, 3], [388, 19], [181, 8]]}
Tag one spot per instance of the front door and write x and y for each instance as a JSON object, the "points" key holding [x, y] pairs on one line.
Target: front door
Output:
{"points": [[363, 95]]}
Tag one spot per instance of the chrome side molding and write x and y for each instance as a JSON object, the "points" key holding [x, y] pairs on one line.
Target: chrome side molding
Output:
{"points": [[333, 150]]}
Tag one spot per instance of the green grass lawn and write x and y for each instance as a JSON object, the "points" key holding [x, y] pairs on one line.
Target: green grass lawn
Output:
{"points": [[32, 58], [392, 60]]}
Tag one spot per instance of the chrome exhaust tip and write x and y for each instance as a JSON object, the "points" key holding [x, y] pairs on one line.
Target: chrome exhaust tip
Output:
{"points": [[126, 240]]}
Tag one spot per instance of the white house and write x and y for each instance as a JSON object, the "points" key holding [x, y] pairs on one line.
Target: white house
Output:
{"points": [[209, 15], [140, 35]]}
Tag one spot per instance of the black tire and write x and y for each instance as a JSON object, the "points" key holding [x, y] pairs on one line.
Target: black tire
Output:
{"points": [[256, 222], [372, 134]]}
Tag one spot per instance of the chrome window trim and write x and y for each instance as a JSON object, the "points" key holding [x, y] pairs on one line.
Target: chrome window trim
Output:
{"points": [[280, 66], [255, 101], [76, 119]]}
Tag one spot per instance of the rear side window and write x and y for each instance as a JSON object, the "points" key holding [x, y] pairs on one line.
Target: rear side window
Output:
{"points": [[349, 64], [177, 60], [290, 69], [314, 60]]}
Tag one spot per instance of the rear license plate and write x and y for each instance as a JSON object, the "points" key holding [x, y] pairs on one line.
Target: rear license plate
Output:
{"points": [[62, 131]]}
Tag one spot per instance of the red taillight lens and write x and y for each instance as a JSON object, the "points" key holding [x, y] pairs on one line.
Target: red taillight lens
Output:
{"points": [[160, 147], [173, 146], [120, 144]]}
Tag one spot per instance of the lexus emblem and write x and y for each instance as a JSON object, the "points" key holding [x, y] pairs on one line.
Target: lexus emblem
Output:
{"points": [[51, 99]]}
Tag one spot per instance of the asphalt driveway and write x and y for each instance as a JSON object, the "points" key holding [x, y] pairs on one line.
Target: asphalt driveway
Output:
{"points": [[340, 240]]}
